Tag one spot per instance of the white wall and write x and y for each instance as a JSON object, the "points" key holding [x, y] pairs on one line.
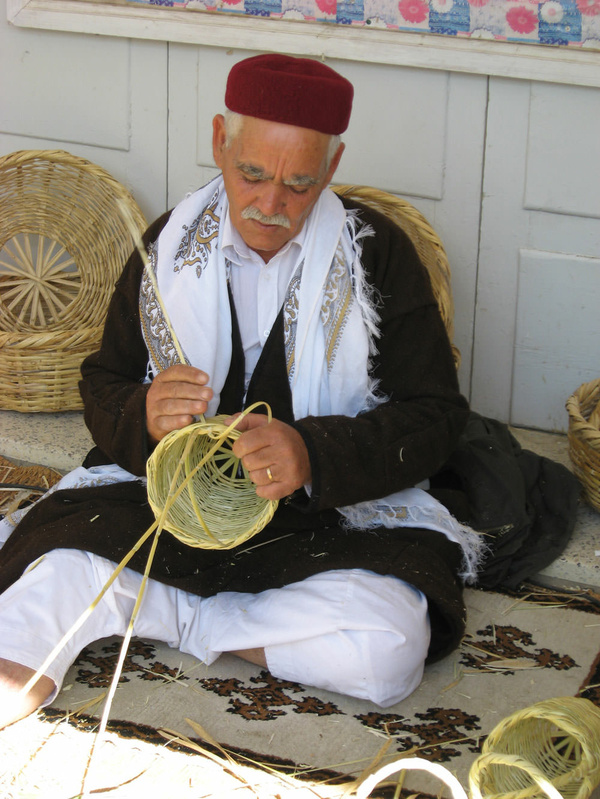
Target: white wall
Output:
{"points": [[506, 170], [101, 98], [537, 334]]}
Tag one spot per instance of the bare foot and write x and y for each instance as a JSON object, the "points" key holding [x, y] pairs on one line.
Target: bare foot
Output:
{"points": [[256, 656], [13, 704]]}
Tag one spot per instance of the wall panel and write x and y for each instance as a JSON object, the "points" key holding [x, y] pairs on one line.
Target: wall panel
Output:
{"points": [[557, 335], [563, 151], [101, 98], [536, 331]]}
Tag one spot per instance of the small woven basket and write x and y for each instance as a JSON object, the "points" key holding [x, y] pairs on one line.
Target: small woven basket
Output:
{"points": [[198, 490], [583, 435], [556, 740], [63, 244]]}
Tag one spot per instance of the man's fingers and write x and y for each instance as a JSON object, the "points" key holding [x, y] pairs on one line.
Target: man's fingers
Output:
{"points": [[249, 422], [268, 487], [180, 400], [177, 403], [178, 383], [263, 476], [257, 435], [275, 457], [166, 424], [174, 398], [182, 373]]}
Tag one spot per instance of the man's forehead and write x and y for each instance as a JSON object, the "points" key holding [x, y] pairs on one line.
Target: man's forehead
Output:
{"points": [[283, 135], [262, 149]]}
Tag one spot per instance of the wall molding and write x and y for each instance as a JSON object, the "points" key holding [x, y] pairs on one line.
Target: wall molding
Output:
{"points": [[570, 65]]}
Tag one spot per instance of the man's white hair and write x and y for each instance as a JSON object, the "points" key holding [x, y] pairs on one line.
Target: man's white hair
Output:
{"points": [[235, 121]]}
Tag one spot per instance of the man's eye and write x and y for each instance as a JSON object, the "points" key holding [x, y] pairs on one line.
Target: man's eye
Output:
{"points": [[298, 189], [250, 179]]}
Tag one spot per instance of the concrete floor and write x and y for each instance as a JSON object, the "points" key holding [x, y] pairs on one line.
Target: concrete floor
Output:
{"points": [[579, 565]]}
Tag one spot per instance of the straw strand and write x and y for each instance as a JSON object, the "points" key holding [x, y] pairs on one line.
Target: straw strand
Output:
{"points": [[139, 244]]}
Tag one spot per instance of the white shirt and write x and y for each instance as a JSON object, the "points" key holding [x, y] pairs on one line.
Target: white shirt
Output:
{"points": [[258, 288]]}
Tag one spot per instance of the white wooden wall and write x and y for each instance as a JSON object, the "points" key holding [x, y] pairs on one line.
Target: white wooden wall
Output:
{"points": [[537, 332], [507, 170], [101, 98]]}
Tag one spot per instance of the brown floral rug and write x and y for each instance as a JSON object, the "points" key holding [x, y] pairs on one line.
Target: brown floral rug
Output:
{"points": [[174, 720]]}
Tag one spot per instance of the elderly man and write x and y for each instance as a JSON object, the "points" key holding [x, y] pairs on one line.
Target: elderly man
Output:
{"points": [[278, 291]]}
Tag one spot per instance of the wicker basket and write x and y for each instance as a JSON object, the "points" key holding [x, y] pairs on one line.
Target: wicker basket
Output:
{"points": [[583, 408], [557, 740], [63, 243], [196, 490], [19, 484], [425, 240]]}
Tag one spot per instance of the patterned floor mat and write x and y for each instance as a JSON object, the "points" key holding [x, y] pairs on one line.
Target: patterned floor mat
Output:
{"points": [[518, 650]]}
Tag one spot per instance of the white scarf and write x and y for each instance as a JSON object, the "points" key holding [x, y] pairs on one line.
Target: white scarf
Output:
{"points": [[330, 323], [191, 274]]}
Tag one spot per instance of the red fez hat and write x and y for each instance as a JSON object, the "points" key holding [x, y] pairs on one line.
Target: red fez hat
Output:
{"points": [[296, 91]]}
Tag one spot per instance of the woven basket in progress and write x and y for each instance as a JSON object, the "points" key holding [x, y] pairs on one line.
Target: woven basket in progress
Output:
{"points": [[199, 491], [63, 243]]}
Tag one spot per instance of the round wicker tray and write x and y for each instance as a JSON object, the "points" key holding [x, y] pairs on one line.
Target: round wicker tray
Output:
{"points": [[63, 243], [426, 242], [583, 407]]}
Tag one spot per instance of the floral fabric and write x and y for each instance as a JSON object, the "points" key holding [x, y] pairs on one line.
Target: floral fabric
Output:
{"points": [[550, 22]]}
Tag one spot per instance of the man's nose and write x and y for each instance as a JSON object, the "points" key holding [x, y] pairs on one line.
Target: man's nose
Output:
{"points": [[272, 198]]}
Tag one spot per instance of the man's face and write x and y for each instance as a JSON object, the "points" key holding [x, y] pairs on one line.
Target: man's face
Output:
{"points": [[273, 176]]}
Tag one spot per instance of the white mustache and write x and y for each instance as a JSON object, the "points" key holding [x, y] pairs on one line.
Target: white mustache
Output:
{"points": [[252, 212]]}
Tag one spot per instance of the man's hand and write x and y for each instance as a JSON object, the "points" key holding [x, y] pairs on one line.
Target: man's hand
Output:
{"points": [[274, 455], [174, 398]]}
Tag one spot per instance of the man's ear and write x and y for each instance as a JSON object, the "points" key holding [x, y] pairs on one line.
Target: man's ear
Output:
{"points": [[334, 163], [219, 138]]}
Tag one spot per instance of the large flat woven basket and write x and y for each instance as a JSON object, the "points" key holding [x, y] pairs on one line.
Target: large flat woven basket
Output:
{"points": [[583, 407], [63, 243], [426, 242]]}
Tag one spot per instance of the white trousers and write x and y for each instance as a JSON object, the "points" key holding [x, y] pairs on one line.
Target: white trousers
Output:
{"points": [[349, 631]]}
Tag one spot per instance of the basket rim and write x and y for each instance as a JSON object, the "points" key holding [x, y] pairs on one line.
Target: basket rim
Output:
{"points": [[579, 408], [82, 221]]}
